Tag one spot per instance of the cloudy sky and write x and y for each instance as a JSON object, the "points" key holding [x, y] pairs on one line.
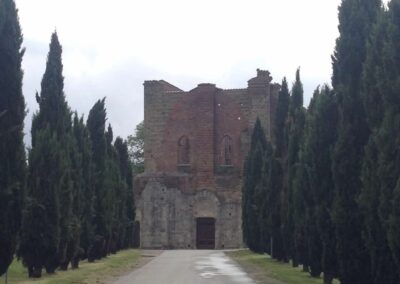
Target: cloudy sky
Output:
{"points": [[111, 47]]}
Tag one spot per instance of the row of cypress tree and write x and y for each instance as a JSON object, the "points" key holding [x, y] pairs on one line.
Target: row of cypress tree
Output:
{"points": [[12, 149], [73, 198], [325, 193]]}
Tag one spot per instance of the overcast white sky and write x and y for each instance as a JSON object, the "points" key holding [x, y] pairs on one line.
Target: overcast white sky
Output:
{"points": [[111, 47]]}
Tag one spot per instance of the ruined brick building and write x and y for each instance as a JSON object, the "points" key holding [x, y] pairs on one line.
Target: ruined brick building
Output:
{"points": [[195, 144]]}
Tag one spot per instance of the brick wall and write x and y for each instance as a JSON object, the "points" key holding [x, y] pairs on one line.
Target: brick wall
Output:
{"points": [[205, 115]]}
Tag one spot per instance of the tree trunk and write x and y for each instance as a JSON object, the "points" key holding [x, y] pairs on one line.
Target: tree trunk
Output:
{"points": [[34, 272], [75, 263], [328, 278], [64, 266]]}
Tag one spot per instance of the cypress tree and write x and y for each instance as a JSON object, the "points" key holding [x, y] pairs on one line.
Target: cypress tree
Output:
{"points": [[127, 209], [280, 165], [275, 182], [12, 114], [130, 241], [80, 223], [296, 98], [379, 171], [356, 19], [251, 207], [281, 118], [300, 212], [296, 126], [113, 186], [96, 125], [320, 138], [270, 202], [84, 177], [263, 201], [379, 198], [50, 180], [40, 234]]}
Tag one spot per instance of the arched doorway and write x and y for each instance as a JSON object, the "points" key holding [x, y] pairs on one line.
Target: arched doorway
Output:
{"points": [[205, 233]]}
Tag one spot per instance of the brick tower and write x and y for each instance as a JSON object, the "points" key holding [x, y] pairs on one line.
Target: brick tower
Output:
{"points": [[195, 144]]}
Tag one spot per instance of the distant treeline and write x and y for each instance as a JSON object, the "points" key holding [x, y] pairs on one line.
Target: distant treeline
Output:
{"points": [[325, 193], [72, 197]]}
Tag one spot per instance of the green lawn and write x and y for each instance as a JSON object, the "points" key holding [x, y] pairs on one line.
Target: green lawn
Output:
{"points": [[263, 268], [89, 273]]}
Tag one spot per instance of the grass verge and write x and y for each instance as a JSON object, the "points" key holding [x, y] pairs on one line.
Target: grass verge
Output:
{"points": [[264, 269], [89, 273]]}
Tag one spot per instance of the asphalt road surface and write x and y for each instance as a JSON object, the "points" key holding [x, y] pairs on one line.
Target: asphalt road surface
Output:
{"points": [[188, 267]]}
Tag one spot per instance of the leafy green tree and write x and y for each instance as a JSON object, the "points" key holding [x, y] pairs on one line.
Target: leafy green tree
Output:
{"points": [[136, 149], [12, 114], [356, 19]]}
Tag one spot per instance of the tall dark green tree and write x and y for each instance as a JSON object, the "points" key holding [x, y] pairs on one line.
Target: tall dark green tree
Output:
{"points": [[381, 165], [356, 19], [127, 209], [40, 234], [263, 200], [114, 189], [253, 172], [379, 172], [83, 168], [281, 130], [50, 180], [281, 119], [96, 124], [320, 138], [269, 194], [295, 218], [388, 141], [12, 114]]}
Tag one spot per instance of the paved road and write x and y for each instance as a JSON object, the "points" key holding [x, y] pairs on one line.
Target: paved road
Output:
{"points": [[188, 267]]}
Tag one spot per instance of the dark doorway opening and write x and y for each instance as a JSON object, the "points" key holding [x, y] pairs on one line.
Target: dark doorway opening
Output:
{"points": [[205, 233]]}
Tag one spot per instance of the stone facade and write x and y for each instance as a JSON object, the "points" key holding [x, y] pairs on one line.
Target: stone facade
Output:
{"points": [[195, 146]]}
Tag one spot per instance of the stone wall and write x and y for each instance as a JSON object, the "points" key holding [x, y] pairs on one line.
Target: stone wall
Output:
{"points": [[168, 217]]}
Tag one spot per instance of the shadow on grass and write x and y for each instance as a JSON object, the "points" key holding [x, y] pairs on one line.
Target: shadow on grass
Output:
{"points": [[266, 270], [101, 271]]}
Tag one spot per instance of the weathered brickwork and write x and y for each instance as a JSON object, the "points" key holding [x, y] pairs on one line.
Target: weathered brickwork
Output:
{"points": [[195, 146]]}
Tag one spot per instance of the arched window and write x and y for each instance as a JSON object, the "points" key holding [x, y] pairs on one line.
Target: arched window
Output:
{"points": [[183, 151], [226, 150]]}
